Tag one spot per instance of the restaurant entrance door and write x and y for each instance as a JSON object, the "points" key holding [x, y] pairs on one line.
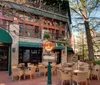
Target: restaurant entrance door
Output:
{"points": [[58, 56], [4, 58]]}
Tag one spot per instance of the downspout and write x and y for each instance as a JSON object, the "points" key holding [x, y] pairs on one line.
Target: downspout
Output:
{"points": [[10, 61]]}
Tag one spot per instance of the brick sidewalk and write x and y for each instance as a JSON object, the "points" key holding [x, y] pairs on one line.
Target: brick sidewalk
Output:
{"points": [[6, 80]]}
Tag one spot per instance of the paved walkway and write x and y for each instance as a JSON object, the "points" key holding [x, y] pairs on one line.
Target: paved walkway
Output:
{"points": [[6, 80]]}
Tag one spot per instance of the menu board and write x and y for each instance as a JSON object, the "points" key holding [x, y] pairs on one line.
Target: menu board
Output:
{"points": [[26, 55], [49, 57]]}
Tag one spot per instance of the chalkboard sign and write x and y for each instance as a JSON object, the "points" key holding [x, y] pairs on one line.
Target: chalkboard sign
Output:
{"points": [[26, 55]]}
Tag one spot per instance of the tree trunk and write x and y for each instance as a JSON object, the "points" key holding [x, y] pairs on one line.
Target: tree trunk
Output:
{"points": [[89, 41]]}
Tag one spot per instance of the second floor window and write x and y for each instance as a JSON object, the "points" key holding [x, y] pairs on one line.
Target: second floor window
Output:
{"points": [[57, 34], [36, 32], [63, 33], [21, 29], [29, 31]]}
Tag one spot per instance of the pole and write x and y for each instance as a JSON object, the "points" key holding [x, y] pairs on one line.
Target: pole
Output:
{"points": [[10, 61], [49, 81], [83, 44]]}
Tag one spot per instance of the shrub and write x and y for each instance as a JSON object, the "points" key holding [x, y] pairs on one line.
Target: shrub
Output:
{"points": [[46, 36], [97, 62]]}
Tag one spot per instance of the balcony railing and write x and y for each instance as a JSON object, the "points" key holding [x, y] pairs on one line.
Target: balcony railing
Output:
{"points": [[53, 9], [30, 33], [57, 36], [41, 5], [5, 27]]}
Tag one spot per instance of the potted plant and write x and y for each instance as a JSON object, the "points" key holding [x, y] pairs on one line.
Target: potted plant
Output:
{"points": [[59, 43], [46, 36], [97, 62]]}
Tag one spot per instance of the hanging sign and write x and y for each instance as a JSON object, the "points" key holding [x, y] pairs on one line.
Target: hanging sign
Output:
{"points": [[47, 56], [48, 46]]}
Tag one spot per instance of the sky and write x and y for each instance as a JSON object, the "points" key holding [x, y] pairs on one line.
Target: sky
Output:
{"points": [[96, 13]]}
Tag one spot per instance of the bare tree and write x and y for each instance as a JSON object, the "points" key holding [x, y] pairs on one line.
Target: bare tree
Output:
{"points": [[83, 9]]}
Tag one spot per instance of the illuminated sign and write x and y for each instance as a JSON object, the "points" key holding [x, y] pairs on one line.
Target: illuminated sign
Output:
{"points": [[48, 46]]}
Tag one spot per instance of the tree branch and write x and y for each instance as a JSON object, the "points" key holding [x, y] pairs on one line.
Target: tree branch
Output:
{"points": [[75, 11]]}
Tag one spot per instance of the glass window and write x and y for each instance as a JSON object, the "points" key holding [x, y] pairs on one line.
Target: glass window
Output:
{"points": [[36, 55], [36, 32], [68, 30], [21, 29], [3, 58], [20, 55], [5, 24], [26, 55], [63, 33], [31, 55], [26, 31], [57, 34], [31, 30]]}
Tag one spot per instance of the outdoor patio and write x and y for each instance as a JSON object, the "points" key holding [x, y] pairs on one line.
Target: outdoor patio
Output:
{"points": [[6, 80]]}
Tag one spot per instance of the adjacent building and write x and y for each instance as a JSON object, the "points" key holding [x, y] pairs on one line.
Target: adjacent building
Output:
{"points": [[23, 24], [96, 43]]}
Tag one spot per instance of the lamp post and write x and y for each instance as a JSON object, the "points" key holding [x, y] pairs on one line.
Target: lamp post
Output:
{"points": [[49, 46], [49, 81]]}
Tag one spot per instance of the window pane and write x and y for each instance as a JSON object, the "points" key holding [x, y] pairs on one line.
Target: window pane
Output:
{"points": [[57, 34], [21, 29], [31, 31], [26, 55], [36, 32], [26, 31]]}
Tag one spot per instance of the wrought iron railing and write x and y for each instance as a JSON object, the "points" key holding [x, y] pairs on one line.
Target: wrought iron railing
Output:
{"points": [[30, 33], [57, 36], [41, 5], [5, 27]]}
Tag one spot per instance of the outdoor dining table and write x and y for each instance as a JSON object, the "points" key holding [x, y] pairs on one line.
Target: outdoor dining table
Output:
{"points": [[24, 68], [78, 71], [71, 71]]}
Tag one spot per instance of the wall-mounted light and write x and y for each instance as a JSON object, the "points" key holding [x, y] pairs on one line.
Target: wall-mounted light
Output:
{"points": [[13, 49], [1, 44]]}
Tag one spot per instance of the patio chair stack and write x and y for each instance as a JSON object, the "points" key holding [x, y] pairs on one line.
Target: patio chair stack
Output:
{"points": [[63, 76], [54, 70], [16, 72], [80, 77], [74, 73], [30, 71], [42, 70], [96, 72], [21, 65]]}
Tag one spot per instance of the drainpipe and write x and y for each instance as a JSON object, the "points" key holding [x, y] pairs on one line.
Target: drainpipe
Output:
{"points": [[10, 61]]}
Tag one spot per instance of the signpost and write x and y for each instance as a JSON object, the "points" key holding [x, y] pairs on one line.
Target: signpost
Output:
{"points": [[49, 46]]}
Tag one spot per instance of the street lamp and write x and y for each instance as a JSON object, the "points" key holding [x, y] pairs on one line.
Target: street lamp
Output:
{"points": [[49, 46]]}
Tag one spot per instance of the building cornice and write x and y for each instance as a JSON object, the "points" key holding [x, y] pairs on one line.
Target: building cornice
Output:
{"points": [[35, 11]]}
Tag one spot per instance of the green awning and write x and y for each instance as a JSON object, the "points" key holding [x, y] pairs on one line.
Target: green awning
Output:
{"points": [[59, 47], [30, 44], [70, 49], [5, 37], [34, 44]]}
